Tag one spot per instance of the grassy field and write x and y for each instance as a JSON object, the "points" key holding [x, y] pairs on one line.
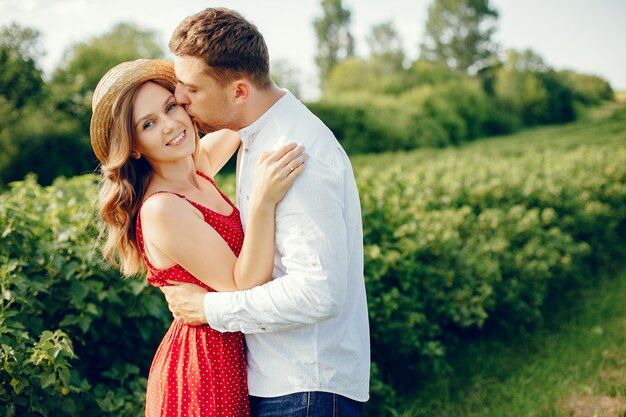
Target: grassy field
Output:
{"points": [[574, 364]]}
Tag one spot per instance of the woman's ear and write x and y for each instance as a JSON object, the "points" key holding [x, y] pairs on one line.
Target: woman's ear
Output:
{"points": [[134, 154]]}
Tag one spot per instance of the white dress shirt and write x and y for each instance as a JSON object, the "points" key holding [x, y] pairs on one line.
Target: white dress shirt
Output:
{"points": [[307, 329]]}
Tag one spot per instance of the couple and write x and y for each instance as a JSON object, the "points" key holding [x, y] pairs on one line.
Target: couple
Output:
{"points": [[294, 286]]}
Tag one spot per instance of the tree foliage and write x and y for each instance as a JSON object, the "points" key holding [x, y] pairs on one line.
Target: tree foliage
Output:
{"points": [[286, 75], [385, 46], [44, 127], [334, 40], [532, 91], [588, 89], [20, 77], [86, 62], [459, 34]]}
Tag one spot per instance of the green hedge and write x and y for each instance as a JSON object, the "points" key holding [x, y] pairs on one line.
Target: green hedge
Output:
{"points": [[428, 116], [75, 338], [455, 239], [458, 239]]}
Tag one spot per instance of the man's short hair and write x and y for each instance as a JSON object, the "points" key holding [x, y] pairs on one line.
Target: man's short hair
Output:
{"points": [[231, 46]]}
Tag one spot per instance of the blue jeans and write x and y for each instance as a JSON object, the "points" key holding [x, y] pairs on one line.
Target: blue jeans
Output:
{"points": [[306, 404]]}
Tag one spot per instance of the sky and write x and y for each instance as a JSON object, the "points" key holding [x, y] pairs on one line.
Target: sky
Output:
{"points": [[588, 36]]}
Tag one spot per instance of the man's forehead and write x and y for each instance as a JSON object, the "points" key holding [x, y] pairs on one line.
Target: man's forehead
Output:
{"points": [[188, 69]]}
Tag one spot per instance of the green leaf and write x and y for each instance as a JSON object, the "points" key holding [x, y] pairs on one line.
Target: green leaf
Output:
{"points": [[48, 379]]}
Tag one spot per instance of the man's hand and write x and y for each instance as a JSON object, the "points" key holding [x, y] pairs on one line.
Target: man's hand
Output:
{"points": [[186, 302]]}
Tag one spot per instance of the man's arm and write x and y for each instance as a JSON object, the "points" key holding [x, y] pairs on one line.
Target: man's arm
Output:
{"points": [[185, 301], [312, 246]]}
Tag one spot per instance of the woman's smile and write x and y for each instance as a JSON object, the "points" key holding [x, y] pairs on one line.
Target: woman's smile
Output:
{"points": [[178, 139]]}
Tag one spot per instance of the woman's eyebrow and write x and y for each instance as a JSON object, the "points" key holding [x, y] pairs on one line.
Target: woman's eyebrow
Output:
{"points": [[167, 100]]}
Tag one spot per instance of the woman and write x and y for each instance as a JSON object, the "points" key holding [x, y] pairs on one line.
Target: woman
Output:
{"points": [[162, 211]]}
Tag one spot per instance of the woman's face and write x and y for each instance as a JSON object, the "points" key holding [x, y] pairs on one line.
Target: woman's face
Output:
{"points": [[163, 129]]}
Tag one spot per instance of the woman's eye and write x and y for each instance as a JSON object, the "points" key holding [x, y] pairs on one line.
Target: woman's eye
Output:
{"points": [[148, 124], [170, 106]]}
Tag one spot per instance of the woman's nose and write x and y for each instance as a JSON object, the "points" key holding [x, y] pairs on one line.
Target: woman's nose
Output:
{"points": [[168, 124]]}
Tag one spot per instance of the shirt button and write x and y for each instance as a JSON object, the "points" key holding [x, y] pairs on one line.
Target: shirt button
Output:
{"points": [[248, 197], [263, 328]]}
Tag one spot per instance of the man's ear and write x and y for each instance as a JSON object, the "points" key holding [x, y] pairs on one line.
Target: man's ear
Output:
{"points": [[242, 89]]}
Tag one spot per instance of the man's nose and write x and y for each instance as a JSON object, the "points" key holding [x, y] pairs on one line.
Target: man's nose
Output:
{"points": [[180, 95]]}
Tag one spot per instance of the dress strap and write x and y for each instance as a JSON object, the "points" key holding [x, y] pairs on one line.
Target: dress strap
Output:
{"points": [[206, 177], [224, 196]]}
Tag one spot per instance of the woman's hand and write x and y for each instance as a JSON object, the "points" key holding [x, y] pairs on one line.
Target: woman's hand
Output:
{"points": [[275, 173]]}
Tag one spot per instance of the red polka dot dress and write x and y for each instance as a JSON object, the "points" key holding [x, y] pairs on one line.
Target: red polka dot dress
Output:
{"points": [[198, 371]]}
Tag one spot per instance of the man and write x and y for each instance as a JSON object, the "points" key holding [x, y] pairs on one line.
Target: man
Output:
{"points": [[307, 331]]}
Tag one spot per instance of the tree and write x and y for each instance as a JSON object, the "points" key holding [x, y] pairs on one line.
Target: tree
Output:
{"points": [[90, 60], [20, 77], [587, 89], [50, 135], [458, 34], [334, 40], [86, 62], [526, 86], [524, 61], [386, 47], [287, 76]]}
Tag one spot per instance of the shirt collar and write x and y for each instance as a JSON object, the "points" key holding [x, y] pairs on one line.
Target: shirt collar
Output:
{"points": [[249, 132]]}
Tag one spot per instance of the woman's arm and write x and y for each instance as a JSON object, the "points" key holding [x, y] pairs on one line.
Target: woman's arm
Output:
{"points": [[216, 148], [174, 230], [274, 175]]}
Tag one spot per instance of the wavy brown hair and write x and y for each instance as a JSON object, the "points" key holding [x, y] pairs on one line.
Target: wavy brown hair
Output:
{"points": [[123, 185]]}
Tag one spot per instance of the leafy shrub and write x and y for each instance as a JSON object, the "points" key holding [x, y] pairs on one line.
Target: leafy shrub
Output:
{"points": [[460, 107], [455, 239], [75, 338], [357, 132], [587, 89], [483, 235], [45, 143]]}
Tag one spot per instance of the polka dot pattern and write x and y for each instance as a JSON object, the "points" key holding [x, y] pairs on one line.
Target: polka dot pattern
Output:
{"points": [[198, 371]]}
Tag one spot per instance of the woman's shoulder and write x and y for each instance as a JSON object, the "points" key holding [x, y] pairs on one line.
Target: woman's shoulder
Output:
{"points": [[160, 205]]}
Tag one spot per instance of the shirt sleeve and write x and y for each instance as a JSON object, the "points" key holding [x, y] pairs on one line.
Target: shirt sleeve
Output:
{"points": [[310, 265]]}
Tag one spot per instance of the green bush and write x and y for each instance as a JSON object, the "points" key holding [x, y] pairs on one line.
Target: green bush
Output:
{"points": [[459, 239], [535, 97], [448, 113], [461, 107], [455, 240], [356, 131], [587, 89], [75, 338], [45, 143]]}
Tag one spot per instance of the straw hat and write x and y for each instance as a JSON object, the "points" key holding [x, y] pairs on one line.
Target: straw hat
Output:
{"points": [[114, 83]]}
